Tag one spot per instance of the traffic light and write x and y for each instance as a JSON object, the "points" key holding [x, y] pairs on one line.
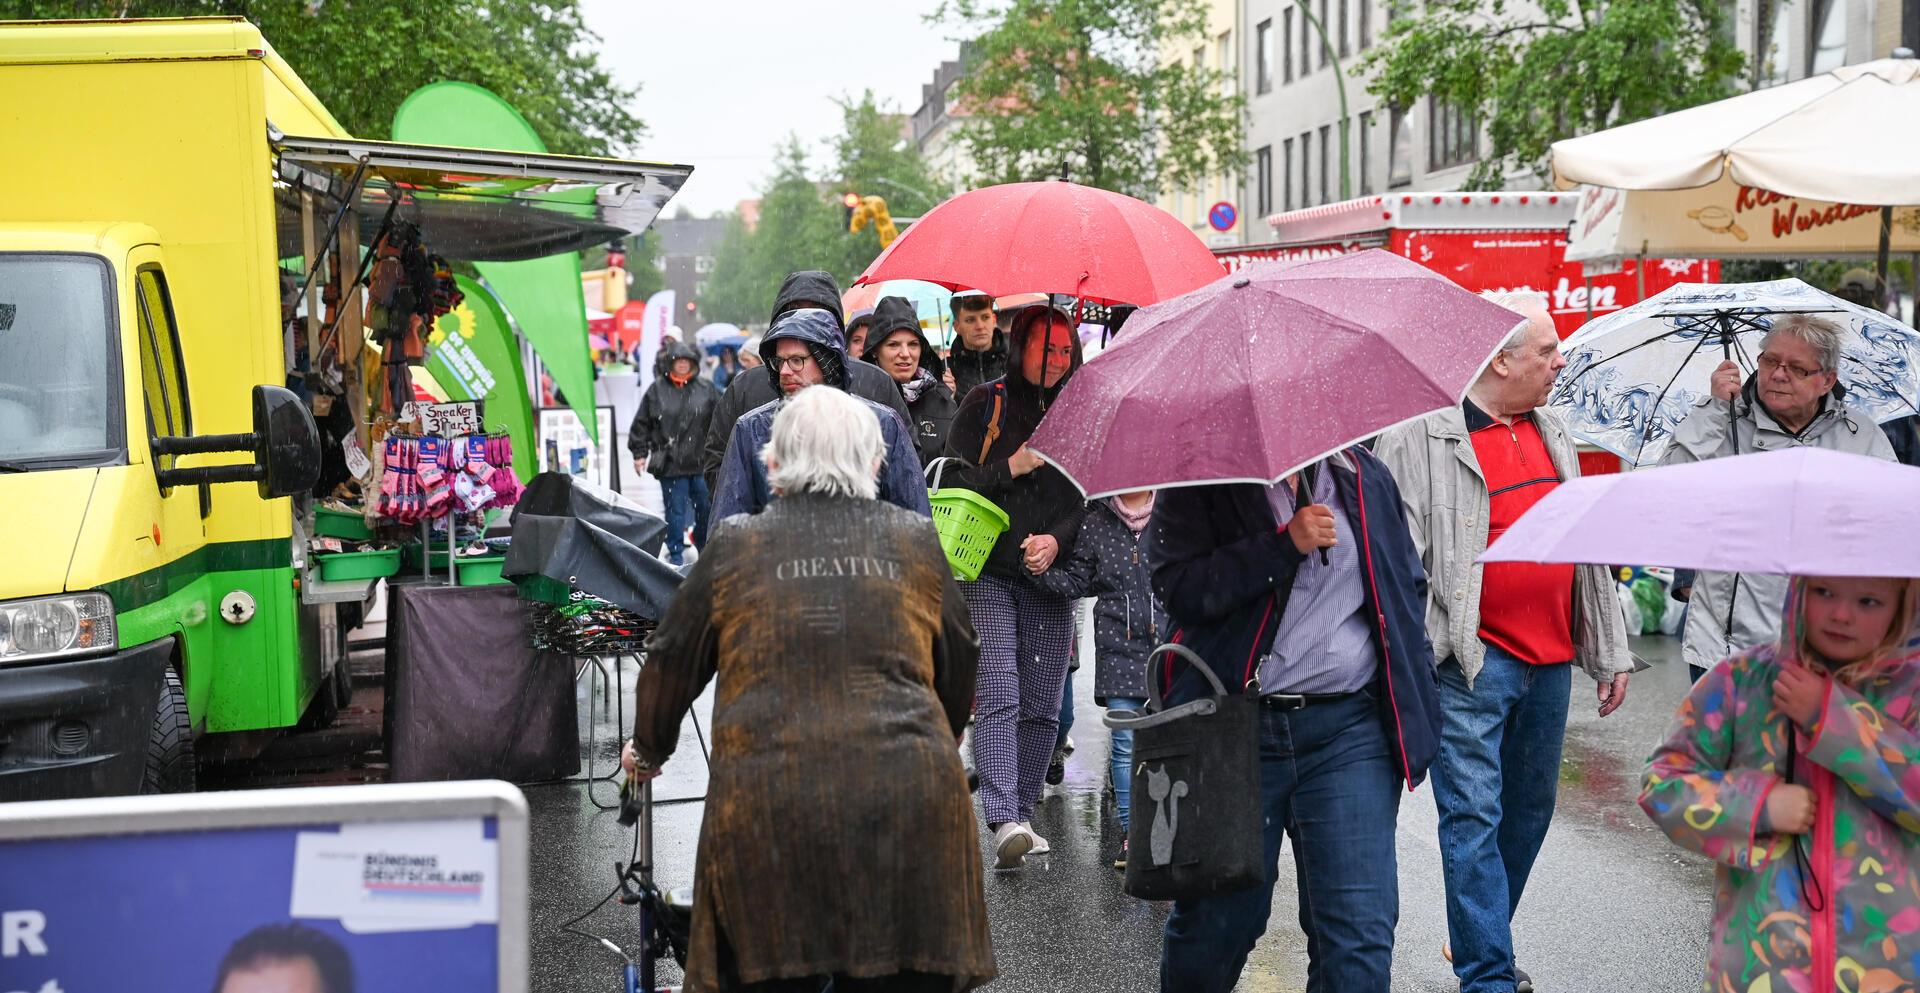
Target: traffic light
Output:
{"points": [[862, 211], [851, 202]]}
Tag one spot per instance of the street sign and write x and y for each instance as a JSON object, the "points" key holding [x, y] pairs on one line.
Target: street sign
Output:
{"points": [[1222, 216]]}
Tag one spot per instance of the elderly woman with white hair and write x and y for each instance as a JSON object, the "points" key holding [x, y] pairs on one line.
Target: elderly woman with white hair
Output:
{"points": [[838, 842], [1794, 398]]}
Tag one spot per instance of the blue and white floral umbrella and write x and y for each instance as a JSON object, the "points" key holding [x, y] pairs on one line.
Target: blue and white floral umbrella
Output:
{"points": [[1632, 375]]}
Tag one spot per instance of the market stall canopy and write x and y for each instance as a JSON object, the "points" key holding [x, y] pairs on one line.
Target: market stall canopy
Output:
{"points": [[1837, 136], [481, 205], [1726, 219]]}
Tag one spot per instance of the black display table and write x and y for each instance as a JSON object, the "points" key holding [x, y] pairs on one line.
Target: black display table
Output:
{"points": [[467, 696]]}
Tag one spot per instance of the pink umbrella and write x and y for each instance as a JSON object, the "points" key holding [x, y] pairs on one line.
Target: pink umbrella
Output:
{"points": [[1802, 511], [1260, 373]]}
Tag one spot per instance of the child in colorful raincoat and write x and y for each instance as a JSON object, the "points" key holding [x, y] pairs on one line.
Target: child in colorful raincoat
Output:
{"points": [[1796, 767]]}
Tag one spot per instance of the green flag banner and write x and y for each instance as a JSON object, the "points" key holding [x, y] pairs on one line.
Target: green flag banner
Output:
{"points": [[472, 352], [543, 295]]}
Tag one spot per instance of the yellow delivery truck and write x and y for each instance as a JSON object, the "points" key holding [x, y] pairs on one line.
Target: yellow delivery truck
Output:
{"points": [[155, 589]]}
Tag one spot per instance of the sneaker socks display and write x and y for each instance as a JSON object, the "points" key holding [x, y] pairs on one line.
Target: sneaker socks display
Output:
{"points": [[470, 483], [435, 492]]}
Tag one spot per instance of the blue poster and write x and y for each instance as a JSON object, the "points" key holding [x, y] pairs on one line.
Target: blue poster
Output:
{"points": [[377, 907]]}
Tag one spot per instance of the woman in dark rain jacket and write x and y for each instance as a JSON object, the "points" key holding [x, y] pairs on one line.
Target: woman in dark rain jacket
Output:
{"points": [[896, 344], [1026, 633]]}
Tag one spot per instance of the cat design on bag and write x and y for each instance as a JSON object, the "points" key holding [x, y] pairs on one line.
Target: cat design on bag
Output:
{"points": [[1166, 814]]}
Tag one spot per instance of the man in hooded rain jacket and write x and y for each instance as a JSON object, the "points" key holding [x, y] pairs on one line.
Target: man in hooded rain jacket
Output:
{"points": [[743, 485], [668, 431], [803, 289]]}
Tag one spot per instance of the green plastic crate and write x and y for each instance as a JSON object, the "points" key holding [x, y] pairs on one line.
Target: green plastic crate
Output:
{"points": [[342, 566], [340, 524], [480, 570]]}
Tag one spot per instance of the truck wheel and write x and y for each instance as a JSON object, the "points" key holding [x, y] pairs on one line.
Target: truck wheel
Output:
{"points": [[342, 681], [170, 762]]}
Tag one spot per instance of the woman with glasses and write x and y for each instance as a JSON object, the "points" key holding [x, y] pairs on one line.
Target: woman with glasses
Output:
{"points": [[1793, 398]]}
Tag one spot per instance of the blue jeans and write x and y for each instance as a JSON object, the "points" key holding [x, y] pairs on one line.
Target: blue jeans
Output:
{"points": [[1330, 781], [687, 506], [1494, 782], [1120, 759]]}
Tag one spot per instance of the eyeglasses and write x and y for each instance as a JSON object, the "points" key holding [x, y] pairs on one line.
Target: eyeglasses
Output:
{"points": [[1769, 365], [781, 363]]}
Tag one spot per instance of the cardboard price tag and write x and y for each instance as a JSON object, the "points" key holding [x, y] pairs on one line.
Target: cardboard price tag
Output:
{"points": [[448, 420]]}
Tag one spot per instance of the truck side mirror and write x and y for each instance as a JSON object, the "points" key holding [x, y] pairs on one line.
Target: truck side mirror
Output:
{"points": [[284, 443]]}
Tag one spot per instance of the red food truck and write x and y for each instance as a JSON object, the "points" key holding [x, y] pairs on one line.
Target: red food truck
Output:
{"points": [[1483, 241]]}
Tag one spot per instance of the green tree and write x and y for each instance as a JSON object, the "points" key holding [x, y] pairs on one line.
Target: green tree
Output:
{"points": [[802, 221], [1088, 85], [799, 229], [1533, 74], [362, 57]]}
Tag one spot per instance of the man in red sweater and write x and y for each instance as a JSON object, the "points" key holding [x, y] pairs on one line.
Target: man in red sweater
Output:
{"points": [[1507, 636]]}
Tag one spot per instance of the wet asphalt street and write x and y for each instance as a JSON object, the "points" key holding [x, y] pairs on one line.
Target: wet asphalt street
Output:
{"points": [[1611, 906]]}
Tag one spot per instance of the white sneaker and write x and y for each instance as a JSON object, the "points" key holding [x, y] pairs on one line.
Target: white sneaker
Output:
{"points": [[1040, 846], [1011, 844]]}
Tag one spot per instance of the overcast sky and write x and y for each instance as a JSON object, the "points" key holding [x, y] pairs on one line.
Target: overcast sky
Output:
{"points": [[723, 81]]}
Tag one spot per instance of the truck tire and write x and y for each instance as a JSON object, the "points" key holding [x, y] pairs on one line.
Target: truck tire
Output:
{"points": [[170, 761], [342, 681]]}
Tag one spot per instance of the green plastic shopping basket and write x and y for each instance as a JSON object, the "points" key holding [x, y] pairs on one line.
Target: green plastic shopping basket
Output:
{"points": [[968, 524]]}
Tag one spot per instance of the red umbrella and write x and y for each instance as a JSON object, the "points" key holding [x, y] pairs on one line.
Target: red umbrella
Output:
{"points": [[1052, 237]]}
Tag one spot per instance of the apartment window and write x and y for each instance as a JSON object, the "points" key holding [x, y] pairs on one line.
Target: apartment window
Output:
{"points": [[1366, 152], [1306, 41], [1399, 149], [1326, 139], [1286, 44], [1223, 54], [1263, 57], [1199, 57], [1286, 174], [1829, 36], [1325, 25], [1770, 43], [1306, 169], [1453, 135], [1366, 24], [1263, 181], [1344, 50]]}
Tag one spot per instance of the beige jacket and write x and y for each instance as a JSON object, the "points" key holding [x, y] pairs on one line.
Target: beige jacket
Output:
{"points": [[1447, 511]]}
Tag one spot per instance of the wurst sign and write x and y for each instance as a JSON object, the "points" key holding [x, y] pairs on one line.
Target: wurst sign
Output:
{"points": [[1728, 219]]}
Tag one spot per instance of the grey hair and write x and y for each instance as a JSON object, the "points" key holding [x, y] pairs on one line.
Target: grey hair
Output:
{"points": [[1522, 302], [824, 441], [1820, 334]]}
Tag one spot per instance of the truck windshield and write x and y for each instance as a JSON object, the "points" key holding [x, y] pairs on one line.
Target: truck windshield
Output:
{"points": [[56, 364]]}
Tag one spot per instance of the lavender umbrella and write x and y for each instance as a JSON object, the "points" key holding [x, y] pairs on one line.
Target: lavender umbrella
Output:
{"points": [[1802, 511], [1256, 375]]}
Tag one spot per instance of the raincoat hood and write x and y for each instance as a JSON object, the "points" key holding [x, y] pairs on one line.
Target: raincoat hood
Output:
{"points": [[1020, 324], [898, 314], [820, 330], [809, 286], [677, 350]]}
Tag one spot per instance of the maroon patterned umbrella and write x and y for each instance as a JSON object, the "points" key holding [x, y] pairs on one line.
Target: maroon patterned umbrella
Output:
{"points": [[1263, 372]]}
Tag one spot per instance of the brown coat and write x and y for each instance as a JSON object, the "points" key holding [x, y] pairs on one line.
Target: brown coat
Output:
{"points": [[839, 837]]}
